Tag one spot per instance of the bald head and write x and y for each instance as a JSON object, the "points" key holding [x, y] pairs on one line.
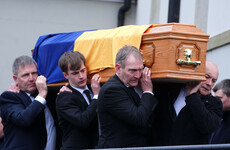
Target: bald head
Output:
{"points": [[212, 68], [211, 75]]}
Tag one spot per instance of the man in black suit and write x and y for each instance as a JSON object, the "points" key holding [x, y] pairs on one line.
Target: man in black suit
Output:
{"points": [[222, 134], [76, 110], [123, 114], [27, 121], [187, 113]]}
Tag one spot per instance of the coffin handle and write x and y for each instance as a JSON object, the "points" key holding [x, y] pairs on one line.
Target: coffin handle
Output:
{"points": [[185, 62], [188, 56]]}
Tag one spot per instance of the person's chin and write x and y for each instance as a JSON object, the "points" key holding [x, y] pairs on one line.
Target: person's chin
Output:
{"points": [[134, 84], [32, 90], [82, 85], [204, 92]]}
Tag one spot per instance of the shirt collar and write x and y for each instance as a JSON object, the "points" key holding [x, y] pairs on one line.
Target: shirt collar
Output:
{"points": [[79, 89]]}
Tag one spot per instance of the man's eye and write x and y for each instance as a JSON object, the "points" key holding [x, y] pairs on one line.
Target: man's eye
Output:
{"points": [[25, 75], [132, 71], [75, 73], [83, 70]]}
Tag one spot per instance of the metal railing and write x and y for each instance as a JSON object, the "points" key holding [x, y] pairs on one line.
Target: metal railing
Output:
{"points": [[181, 147]]}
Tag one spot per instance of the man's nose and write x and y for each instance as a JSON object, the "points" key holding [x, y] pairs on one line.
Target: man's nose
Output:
{"points": [[138, 74], [209, 82], [31, 77], [80, 75]]}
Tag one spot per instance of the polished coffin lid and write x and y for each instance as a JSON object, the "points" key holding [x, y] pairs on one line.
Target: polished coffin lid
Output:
{"points": [[175, 52]]}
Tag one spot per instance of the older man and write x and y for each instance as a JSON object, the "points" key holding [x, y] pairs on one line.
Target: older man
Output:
{"points": [[27, 121], [188, 114], [123, 114]]}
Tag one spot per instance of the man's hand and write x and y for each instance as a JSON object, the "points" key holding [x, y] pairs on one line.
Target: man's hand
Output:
{"points": [[14, 88], [64, 88], [192, 87], [95, 84], [145, 80], [41, 86]]}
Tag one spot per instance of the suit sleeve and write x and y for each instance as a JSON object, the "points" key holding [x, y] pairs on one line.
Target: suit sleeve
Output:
{"points": [[15, 111], [69, 106], [117, 101], [207, 117]]}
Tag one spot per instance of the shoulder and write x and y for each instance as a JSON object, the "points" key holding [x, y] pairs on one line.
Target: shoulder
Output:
{"points": [[112, 87], [8, 93], [215, 100], [9, 96], [65, 95], [68, 98]]}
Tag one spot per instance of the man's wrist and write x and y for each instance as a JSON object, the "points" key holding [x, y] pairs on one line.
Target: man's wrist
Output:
{"points": [[148, 92], [40, 99]]}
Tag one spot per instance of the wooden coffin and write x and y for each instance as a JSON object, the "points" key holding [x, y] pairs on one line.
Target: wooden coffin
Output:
{"points": [[174, 52]]}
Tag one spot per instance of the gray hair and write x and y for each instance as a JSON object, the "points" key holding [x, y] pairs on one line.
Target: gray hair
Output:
{"points": [[22, 61], [224, 85], [124, 52]]}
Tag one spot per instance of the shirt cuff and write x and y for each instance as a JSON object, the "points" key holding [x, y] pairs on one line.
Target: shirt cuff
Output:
{"points": [[148, 92], [95, 97], [40, 99]]}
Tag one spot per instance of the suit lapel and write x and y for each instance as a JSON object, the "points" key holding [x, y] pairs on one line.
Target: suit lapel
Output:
{"points": [[25, 98], [81, 98], [134, 96]]}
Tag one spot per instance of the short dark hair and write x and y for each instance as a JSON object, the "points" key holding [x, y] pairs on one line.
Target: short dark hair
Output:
{"points": [[124, 52], [73, 58], [22, 61], [224, 85]]}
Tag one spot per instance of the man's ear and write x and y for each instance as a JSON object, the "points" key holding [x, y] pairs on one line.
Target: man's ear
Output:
{"points": [[15, 78], [65, 75], [118, 68]]}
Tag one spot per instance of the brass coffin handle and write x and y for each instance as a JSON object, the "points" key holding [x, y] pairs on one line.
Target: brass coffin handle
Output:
{"points": [[188, 57]]}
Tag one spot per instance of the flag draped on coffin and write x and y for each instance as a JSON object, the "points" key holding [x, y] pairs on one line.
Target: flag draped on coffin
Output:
{"points": [[98, 46], [49, 48]]}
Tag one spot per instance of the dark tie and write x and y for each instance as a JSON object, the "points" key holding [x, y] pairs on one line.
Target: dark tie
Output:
{"points": [[34, 94], [88, 95]]}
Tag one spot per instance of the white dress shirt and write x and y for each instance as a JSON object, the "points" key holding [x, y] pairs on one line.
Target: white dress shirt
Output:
{"points": [[180, 101], [50, 127]]}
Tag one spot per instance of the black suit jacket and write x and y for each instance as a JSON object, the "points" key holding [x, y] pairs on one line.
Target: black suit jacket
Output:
{"points": [[195, 122], [77, 120], [23, 121], [123, 117]]}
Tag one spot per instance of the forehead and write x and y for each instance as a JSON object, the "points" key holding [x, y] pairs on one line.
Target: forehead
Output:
{"points": [[27, 68], [219, 93], [133, 62], [212, 71], [81, 67]]}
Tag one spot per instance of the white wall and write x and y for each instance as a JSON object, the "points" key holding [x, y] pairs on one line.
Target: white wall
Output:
{"points": [[218, 17], [23, 21], [212, 16], [220, 57], [187, 11], [152, 11]]}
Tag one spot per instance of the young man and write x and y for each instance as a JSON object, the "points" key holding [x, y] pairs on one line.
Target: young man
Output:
{"points": [[123, 114], [76, 110], [222, 134], [27, 121]]}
